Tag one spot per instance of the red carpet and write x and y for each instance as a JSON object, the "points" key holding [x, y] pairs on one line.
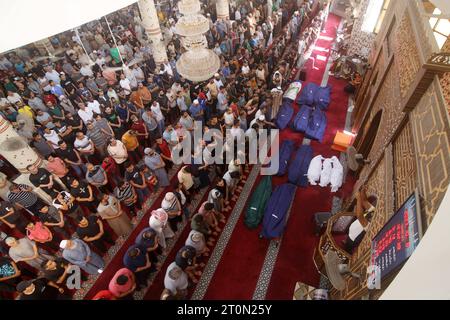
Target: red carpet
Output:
{"points": [[238, 272], [157, 286], [116, 262], [294, 262], [239, 269]]}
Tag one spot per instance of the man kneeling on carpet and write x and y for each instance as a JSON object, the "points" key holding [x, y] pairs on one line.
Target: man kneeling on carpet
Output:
{"points": [[186, 260], [199, 224]]}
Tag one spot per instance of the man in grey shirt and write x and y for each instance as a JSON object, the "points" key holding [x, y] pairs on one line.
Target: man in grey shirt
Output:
{"points": [[151, 123], [77, 252], [98, 137], [45, 119], [41, 145], [36, 103]]}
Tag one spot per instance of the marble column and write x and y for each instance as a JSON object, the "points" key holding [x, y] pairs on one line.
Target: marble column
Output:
{"points": [[269, 8], [222, 9], [151, 25], [16, 150], [45, 47]]}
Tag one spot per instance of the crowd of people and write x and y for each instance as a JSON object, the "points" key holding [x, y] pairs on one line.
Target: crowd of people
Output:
{"points": [[107, 135]]}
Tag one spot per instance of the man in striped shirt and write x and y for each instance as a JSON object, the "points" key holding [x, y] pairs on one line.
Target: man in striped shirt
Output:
{"points": [[23, 196], [126, 194]]}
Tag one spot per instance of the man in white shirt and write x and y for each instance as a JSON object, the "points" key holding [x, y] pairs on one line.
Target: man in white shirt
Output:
{"points": [[52, 74], [86, 71], [13, 97], [176, 280], [52, 137], [131, 77], [222, 101], [237, 15], [125, 84], [85, 113], [218, 81], [138, 73], [158, 115], [83, 144], [94, 106]]}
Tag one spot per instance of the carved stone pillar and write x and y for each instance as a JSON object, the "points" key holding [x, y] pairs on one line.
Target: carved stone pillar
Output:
{"points": [[151, 25], [222, 9], [45, 47], [17, 151], [269, 8]]}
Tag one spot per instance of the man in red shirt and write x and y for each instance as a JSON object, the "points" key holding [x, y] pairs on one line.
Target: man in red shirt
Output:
{"points": [[112, 172], [142, 132], [123, 284], [104, 295], [164, 151]]}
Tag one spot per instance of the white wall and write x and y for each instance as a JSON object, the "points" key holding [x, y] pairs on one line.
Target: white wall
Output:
{"points": [[68, 14]]}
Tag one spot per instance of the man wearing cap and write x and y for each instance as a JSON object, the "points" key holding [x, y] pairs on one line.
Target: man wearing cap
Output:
{"points": [[196, 111], [197, 240], [39, 289], [176, 280], [172, 206], [77, 252]]}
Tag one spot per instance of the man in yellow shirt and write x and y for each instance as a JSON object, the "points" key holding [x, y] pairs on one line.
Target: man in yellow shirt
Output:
{"points": [[131, 142], [24, 109]]}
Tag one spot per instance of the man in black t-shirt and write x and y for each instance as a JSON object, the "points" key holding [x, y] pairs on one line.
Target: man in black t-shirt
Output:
{"points": [[91, 231], [54, 219], [71, 157], [39, 289], [13, 218], [43, 179], [56, 271], [84, 194], [65, 131], [185, 259], [137, 180]]}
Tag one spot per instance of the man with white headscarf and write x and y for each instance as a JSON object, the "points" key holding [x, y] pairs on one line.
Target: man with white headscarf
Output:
{"points": [[77, 252], [172, 206], [159, 222]]}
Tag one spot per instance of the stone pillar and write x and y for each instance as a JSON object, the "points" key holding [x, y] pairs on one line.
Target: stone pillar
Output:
{"points": [[45, 47], [4, 186], [222, 9], [151, 25], [269, 8], [16, 150]]}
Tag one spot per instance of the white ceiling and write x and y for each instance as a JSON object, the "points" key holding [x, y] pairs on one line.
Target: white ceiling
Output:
{"points": [[26, 21]]}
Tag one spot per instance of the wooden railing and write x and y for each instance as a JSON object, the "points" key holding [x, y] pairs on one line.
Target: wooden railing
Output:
{"points": [[327, 242]]}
